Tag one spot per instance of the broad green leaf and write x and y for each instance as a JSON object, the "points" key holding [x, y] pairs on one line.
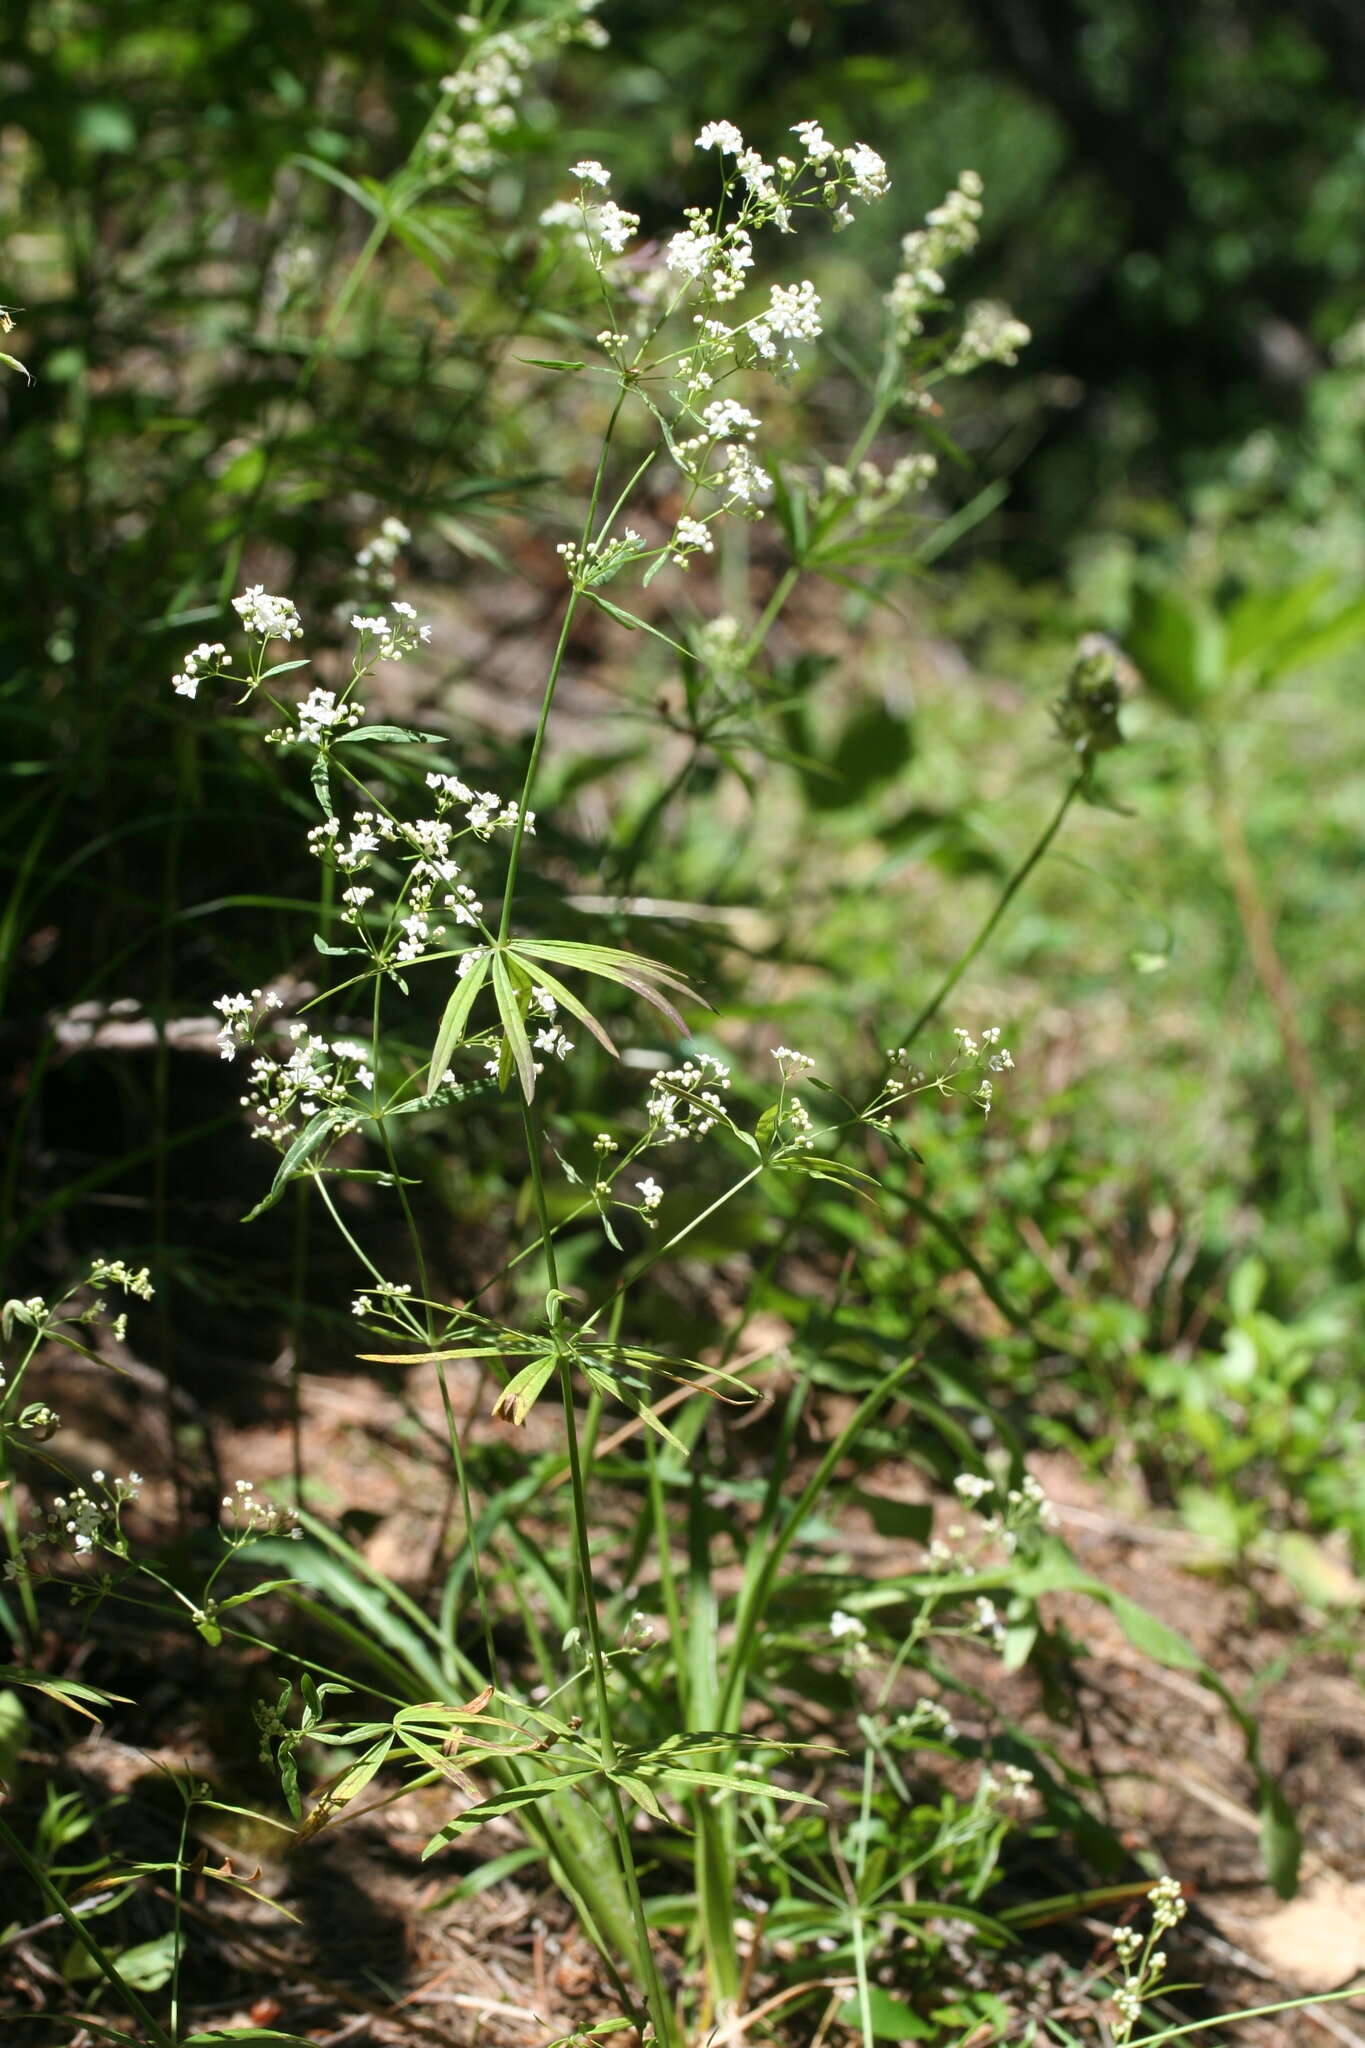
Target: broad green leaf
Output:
{"points": [[889, 2019], [1178, 645]]}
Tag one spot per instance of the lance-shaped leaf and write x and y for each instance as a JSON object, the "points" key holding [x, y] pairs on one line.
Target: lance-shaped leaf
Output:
{"points": [[524, 1389], [645, 977], [454, 1019], [309, 1140], [347, 1786], [509, 1800], [541, 975], [514, 1023]]}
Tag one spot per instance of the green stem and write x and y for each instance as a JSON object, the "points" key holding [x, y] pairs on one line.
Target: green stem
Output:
{"points": [[653, 1987], [551, 680], [1003, 901]]}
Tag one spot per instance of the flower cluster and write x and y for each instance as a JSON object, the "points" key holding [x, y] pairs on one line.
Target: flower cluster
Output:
{"points": [[792, 1124], [685, 1101], [599, 560], [1009, 1786], [377, 559], [480, 101], [979, 1058], [1006, 1518], [210, 657], [322, 716], [382, 1298], [706, 266], [242, 1015], [1143, 1963], [690, 537], [389, 639], [285, 1094], [80, 1522], [990, 334], [949, 231], [114, 1273], [411, 924], [871, 492], [252, 1515], [267, 617]]}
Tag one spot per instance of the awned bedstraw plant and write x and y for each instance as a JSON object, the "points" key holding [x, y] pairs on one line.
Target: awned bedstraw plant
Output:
{"points": [[644, 1744], [681, 338]]}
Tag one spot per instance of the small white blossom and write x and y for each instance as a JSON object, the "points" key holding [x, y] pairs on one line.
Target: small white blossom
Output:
{"points": [[795, 311], [272, 618], [721, 135]]}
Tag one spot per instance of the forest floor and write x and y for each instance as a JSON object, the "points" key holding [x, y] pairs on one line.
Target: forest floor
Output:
{"points": [[382, 1950]]}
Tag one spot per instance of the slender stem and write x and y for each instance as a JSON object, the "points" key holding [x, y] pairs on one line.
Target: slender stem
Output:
{"points": [[551, 680], [782, 590], [178, 1950], [83, 1935], [653, 1987], [519, 829], [9, 1519], [1002, 904]]}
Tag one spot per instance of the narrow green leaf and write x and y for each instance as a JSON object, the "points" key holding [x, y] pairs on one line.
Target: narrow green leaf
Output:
{"points": [[571, 1002], [396, 735], [322, 788], [513, 1024], [524, 1389], [304, 1146], [453, 1020]]}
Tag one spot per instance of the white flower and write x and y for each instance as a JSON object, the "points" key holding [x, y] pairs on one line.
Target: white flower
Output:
{"points": [[721, 135], [991, 334], [651, 1194], [745, 482], [842, 1626], [616, 226], [104, 1272], [320, 714], [795, 311], [209, 654], [273, 618], [866, 170], [689, 534], [793, 1064], [726, 418], [590, 172], [684, 1102], [690, 251], [814, 140]]}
